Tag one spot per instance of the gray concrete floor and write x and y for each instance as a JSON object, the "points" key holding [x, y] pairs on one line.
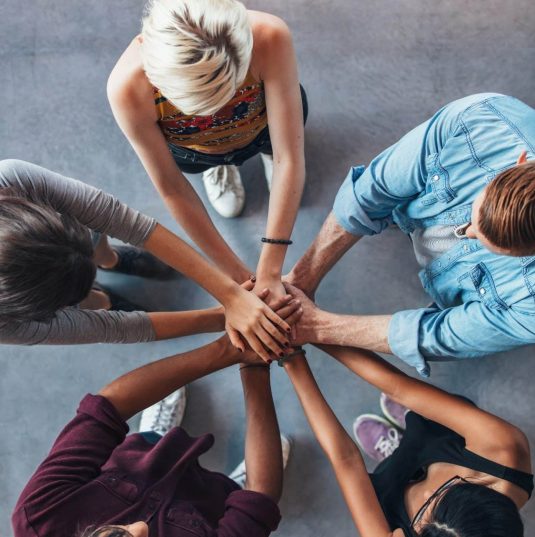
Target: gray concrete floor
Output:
{"points": [[372, 70]]}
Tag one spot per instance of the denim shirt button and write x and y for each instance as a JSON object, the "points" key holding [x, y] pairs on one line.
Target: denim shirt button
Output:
{"points": [[482, 291], [436, 178], [465, 248]]}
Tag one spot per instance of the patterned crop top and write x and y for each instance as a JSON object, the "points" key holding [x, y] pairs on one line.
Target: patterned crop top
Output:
{"points": [[235, 125]]}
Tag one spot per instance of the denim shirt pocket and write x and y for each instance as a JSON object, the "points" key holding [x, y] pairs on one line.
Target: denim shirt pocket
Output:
{"points": [[484, 286], [438, 182]]}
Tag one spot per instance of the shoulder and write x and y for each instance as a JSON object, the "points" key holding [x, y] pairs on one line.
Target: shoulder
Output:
{"points": [[272, 44], [269, 31], [128, 86]]}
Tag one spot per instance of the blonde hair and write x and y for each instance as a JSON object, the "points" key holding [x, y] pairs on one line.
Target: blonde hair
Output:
{"points": [[196, 52]]}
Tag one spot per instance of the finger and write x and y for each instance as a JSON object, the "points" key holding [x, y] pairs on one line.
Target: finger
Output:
{"points": [[264, 294], [257, 346], [235, 339], [276, 320], [280, 302], [274, 332], [248, 285], [290, 308], [269, 342], [293, 319]]}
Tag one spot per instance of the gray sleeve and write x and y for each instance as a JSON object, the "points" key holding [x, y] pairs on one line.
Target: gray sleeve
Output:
{"points": [[76, 326], [92, 207]]}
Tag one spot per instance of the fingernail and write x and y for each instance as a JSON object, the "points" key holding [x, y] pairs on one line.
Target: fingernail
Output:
{"points": [[253, 278]]}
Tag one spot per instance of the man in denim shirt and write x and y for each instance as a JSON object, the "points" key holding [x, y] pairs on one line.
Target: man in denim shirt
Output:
{"points": [[461, 187]]}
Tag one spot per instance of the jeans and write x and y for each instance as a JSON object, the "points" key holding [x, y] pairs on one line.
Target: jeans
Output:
{"points": [[190, 161], [151, 437]]}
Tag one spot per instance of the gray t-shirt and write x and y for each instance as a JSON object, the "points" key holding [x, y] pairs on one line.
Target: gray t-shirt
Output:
{"points": [[100, 212]]}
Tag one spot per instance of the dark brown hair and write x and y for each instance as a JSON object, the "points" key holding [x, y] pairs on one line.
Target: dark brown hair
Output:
{"points": [[45, 260], [507, 214], [105, 531]]}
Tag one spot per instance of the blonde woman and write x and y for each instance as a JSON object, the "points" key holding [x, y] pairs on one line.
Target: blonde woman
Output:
{"points": [[205, 86]]}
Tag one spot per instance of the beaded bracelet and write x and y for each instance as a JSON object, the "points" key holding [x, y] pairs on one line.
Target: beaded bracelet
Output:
{"points": [[287, 357], [276, 241]]}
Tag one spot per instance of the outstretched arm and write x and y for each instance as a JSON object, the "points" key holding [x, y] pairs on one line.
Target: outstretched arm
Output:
{"points": [[485, 434], [146, 385], [319, 326], [278, 70], [341, 451], [331, 243], [263, 455]]}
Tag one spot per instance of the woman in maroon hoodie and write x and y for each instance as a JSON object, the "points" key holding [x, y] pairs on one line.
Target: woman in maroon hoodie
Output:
{"points": [[100, 482]]}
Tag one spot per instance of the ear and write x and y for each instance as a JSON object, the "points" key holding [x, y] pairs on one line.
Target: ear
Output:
{"points": [[523, 158]]}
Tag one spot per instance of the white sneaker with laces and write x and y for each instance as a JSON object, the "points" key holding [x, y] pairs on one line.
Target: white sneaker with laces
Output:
{"points": [[239, 474], [225, 190], [164, 415], [267, 161]]}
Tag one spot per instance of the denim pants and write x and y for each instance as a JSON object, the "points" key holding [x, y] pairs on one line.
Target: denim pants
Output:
{"points": [[190, 161]]}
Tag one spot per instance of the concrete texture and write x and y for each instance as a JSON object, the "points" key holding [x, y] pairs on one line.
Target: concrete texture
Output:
{"points": [[372, 70]]}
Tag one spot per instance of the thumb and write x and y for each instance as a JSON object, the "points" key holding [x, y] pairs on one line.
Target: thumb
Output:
{"points": [[235, 339]]}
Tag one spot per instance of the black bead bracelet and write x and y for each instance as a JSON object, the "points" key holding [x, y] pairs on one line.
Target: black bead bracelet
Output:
{"points": [[276, 241]]}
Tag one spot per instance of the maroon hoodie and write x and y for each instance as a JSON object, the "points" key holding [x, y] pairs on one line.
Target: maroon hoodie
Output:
{"points": [[96, 475]]}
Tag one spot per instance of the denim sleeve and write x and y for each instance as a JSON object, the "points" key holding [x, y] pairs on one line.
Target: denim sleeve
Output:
{"points": [[470, 330], [367, 197]]}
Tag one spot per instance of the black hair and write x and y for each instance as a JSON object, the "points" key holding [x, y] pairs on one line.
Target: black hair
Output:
{"points": [[45, 260], [470, 510]]}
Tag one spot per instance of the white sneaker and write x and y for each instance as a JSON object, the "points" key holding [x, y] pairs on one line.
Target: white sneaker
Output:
{"points": [[239, 474], [225, 190], [267, 161], [164, 415]]}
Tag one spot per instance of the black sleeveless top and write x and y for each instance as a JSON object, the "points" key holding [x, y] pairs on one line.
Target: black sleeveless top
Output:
{"points": [[424, 443]]}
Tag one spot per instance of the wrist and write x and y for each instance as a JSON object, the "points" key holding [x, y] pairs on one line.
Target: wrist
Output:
{"points": [[321, 326], [230, 290], [229, 352], [300, 276]]}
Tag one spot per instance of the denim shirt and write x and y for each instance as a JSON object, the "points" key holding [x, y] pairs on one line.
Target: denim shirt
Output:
{"points": [[485, 302]]}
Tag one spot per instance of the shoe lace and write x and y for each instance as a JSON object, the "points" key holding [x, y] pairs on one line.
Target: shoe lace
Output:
{"points": [[224, 179], [387, 445], [165, 417]]}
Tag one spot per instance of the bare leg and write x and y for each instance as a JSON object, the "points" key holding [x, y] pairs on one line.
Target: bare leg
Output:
{"points": [[105, 256]]}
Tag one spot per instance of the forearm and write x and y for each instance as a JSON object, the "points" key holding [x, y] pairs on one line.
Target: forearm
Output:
{"points": [[332, 242], [174, 324], [188, 210], [175, 252], [285, 198], [377, 372], [263, 455], [363, 331], [150, 383], [328, 431]]}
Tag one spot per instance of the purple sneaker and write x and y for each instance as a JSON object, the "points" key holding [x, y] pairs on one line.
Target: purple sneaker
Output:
{"points": [[394, 412], [376, 436]]}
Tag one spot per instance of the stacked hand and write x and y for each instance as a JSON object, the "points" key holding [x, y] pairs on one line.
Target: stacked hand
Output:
{"points": [[286, 307]]}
